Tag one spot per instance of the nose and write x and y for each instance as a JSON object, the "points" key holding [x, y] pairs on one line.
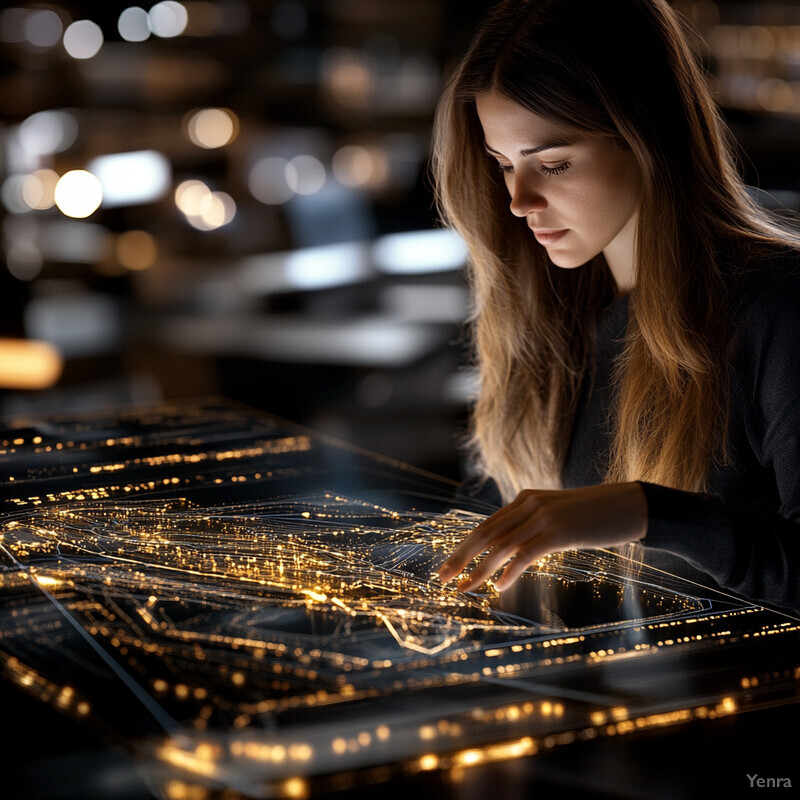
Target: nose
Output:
{"points": [[526, 197]]}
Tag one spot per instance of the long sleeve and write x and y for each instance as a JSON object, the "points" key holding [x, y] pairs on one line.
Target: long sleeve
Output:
{"points": [[754, 555], [746, 532]]}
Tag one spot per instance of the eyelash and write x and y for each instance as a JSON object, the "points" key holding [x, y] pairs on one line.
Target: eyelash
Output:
{"points": [[561, 168]]}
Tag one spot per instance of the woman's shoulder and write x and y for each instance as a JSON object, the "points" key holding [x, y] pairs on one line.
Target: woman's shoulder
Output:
{"points": [[768, 284], [766, 323]]}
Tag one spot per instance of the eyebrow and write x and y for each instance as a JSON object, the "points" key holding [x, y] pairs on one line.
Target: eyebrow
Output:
{"points": [[529, 151]]}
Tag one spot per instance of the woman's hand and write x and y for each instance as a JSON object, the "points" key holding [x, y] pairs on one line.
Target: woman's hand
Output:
{"points": [[540, 522]]}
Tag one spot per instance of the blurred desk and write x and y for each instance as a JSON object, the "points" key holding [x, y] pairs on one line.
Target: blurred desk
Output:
{"points": [[243, 608]]}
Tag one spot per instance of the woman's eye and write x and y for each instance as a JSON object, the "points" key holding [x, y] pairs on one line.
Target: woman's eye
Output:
{"points": [[557, 170], [544, 169]]}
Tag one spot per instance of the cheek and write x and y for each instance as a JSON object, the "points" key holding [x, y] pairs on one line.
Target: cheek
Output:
{"points": [[589, 203], [604, 198], [613, 196]]}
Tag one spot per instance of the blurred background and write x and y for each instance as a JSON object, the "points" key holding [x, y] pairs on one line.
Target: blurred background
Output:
{"points": [[232, 199]]}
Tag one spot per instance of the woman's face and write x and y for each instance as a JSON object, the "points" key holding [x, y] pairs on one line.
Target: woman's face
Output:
{"points": [[578, 193]]}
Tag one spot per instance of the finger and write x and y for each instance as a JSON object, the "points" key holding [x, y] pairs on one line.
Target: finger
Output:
{"points": [[519, 538], [481, 538], [499, 554], [528, 555], [460, 558], [477, 541]]}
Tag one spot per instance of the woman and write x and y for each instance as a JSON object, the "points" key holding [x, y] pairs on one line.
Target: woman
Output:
{"points": [[635, 312]]}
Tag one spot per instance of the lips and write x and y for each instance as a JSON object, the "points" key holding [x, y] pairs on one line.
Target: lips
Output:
{"points": [[547, 236]]}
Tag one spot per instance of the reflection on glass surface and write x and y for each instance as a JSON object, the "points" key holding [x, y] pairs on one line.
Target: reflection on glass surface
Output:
{"points": [[250, 606]]}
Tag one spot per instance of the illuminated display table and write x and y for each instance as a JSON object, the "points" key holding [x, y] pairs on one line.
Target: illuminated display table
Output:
{"points": [[250, 610]]}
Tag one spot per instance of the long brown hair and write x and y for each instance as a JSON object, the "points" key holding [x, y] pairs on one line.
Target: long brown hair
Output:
{"points": [[620, 68]]}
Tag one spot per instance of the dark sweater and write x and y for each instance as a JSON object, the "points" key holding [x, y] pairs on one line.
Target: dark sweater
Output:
{"points": [[745, 533]]}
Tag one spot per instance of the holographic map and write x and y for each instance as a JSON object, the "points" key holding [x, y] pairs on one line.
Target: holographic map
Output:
{"points": [[250, 609]]}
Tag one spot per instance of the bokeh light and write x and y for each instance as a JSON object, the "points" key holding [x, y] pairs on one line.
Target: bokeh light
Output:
{"points": [[419, 252], [267, 181], [357, 166], [32, 192], [43, 28], [12, 196], [47, 132], [190, 196], [305, 174], [39, 188], [204, 209], [347, 77], [78, 193], [26, 364], [776, 95], [219, 209], [756, 41], [168, 19], [134, 24], [24, 259], [83, 39], [140, 176], [212, 127], [136, 250]]}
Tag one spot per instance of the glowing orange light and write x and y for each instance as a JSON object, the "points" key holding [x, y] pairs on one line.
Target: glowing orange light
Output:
{"points": [[212, 127], [136, 250], [29, 364], [295, 788]]}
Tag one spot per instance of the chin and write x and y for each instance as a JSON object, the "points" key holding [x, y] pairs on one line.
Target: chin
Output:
{"points": [[565, 262]]}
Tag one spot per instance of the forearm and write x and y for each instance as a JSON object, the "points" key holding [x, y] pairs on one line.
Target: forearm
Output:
{"points": [[754, 555]]}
